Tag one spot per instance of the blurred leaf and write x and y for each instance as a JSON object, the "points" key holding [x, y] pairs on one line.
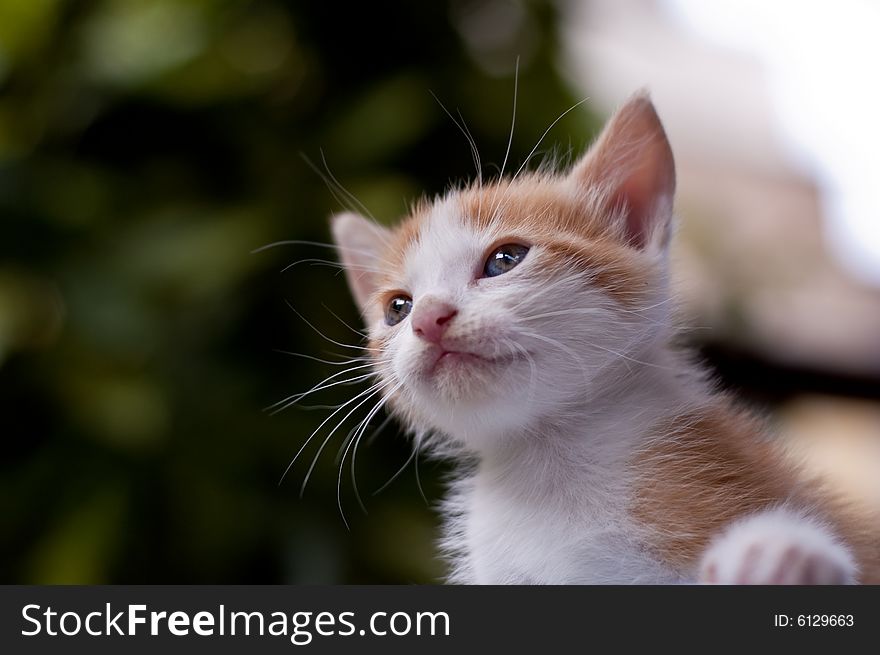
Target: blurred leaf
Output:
{"points": [[25, 26], [125, 411], [388, 197], [191, 253], [131, 41], [82, 547], [386, 118], [31, 312]]}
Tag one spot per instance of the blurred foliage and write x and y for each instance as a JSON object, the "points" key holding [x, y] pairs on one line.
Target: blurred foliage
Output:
{"points": [[146, 148]]}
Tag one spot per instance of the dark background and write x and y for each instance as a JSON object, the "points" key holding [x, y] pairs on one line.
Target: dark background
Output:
{"points": [[146, 148]]}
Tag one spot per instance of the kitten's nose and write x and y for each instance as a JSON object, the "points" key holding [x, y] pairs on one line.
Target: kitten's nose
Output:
{"points": [[431, 318]]}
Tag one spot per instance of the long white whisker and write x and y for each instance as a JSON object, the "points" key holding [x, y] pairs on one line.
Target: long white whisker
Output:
{"points": [[334, 188], [409, 459], [476, 152], [299, 242], [290, 401], [350, 195], [324, 336], [346, 362], [473, 146], [323, 423], [355, 440], [378, 431], [419, 480], [319, 385], [316, 261], [372, 391], [362, 335], [547, 131], [513, 119]]}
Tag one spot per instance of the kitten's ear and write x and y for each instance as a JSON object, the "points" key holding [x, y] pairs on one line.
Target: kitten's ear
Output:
{"points": [[360, 242], [632, 163]]}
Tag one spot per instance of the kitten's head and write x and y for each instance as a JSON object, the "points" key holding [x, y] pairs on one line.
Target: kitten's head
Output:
{"points": [[498, 305]]}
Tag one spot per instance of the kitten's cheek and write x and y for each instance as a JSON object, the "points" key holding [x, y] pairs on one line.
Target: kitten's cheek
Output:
{"points": [[406, 365]]}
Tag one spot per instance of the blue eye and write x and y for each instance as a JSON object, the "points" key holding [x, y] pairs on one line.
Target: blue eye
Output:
{"points": [[504, 258], [398, 309]]}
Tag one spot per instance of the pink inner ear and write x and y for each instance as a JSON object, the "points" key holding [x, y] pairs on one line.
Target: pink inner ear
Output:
{"points": [[637, 215], [645, 197], [632, 159], [360, 241]]}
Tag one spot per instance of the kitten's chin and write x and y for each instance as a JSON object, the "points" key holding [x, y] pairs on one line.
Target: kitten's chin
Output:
{"points": [[463, 378]]}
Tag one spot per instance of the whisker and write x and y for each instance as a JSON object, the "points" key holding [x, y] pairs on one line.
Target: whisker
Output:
{"points": [[355, 440], [323, 423], [357, 493], [372, 392], [532, 367], [294, 398], [644, 309], [379, 430], [299, 242], [553, 342], [346, 362], [324, 336], [474, 152], [335, 189], [363, 335], [349, 194], [513, 119], [409, 459], [563, 312], [419, 480], [547, 131], [327, 262]]}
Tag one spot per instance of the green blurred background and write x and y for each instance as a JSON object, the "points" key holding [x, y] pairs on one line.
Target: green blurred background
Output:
{"points": [[147, 147]]}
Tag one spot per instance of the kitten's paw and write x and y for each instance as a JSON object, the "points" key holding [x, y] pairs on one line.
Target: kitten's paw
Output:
{"points": [[777, 547]]}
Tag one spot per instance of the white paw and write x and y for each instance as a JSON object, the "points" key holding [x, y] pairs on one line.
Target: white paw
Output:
{"points": [[777, 547]]}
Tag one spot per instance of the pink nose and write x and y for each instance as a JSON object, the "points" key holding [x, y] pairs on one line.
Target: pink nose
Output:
{"points": [[431, 318]]}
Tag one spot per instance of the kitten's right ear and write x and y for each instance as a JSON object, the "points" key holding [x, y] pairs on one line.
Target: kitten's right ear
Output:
{"points": [[632, 164], [360, 243]]}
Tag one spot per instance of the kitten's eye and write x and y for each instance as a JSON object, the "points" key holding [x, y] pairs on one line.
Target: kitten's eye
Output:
{"points": [[504, 258], [398, 309]]}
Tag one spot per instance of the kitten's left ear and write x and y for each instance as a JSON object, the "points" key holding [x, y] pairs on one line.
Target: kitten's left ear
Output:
{"points": [[631, 164], [360, 243]]}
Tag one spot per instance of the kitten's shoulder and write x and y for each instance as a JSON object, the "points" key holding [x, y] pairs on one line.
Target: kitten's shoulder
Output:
{"points": [[703, 468]]}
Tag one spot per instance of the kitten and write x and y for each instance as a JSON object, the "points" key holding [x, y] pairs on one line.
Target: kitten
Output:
{"points": [[525, 324]]}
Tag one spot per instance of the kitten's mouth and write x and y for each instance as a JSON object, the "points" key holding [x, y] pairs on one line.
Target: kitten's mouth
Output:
{"points": [[444, 359], [453, 357]]}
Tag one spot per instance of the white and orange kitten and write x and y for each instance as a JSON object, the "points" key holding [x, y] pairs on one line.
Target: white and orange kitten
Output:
{"points": [[525, 326]]}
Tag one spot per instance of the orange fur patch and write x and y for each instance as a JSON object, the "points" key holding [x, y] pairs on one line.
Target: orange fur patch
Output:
{"points": [[575, 233], [710, 468], [575, 230]]}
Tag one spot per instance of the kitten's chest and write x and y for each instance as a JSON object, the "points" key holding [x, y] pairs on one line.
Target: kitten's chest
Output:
{"points": [[583, 536]]}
